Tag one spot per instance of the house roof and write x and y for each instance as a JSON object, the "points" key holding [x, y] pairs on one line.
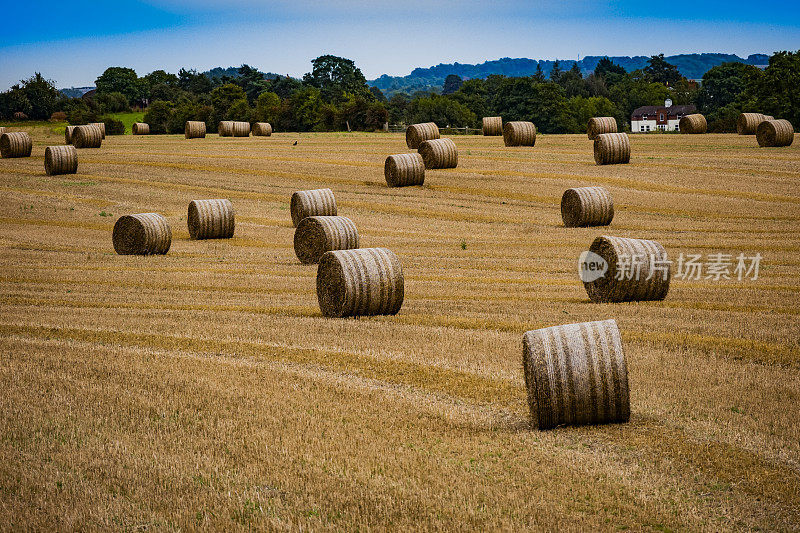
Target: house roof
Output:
{"points": [[673, 110]]}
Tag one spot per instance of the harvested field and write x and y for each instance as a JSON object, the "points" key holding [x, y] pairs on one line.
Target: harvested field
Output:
{"points": [[203, 389]]}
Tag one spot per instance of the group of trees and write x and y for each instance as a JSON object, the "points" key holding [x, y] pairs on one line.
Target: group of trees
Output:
{"points": [[335, 96]]}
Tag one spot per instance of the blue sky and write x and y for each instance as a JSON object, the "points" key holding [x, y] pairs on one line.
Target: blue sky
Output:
{"points": [[73, 42]]}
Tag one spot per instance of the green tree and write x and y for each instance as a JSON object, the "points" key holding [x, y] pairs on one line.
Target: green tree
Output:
{"points": [[240, 110], [120, 80], [303, 111], [442, 110], [42, 95], [158, 116], [539, 75], [660, 71], [223, 98], [378, 94], [572, 82], [582, 109], [778, 89], [722, 85], [268, 106], [284, 86], [336, 77], [555, 72], [452, 83], [605, 68], [194, 82]]}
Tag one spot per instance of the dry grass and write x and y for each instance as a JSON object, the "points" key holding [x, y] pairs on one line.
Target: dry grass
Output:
{"points": [[204, 390]]}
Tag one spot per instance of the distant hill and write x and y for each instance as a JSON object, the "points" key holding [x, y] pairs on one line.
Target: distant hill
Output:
{"points": [[75, 92], [693, 66]]}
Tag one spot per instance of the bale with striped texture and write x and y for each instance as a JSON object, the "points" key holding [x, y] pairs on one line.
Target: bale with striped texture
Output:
{"points": [[492, 126], [416, 134], [241, 129], [775, 133], [15, 144], [60, 160], [587, 206], [142, 234], [747, 123], [598, 125], [68, 132], [316, 235], [211, 219], [519, 133], [694, 124], [262, 129], [401, 170], [576, 374], [612, 149], [315, 202], [88, 136], [2, 130], [195, 129], [101, 126], [140, 128], [638, 270], [361, 282], [439, 153], [768, 117], [225, 128]]}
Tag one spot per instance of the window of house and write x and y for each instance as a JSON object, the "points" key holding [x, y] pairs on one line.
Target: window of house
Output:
{"points": [[648, 128], [661, 116], [641, 128]]}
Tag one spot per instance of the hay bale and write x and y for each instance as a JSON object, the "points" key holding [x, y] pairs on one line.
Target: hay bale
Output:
{"points": [[316, 235], [576, 374], [240, 129], [402, 170], [15, 144], [195, 129], [492, 126], [361, 282], [140, 128], [587, 206], [142, 234], [612, 149], [89, 136], [101, 126], [313, 203], [262, 129], [2, 130], [68, 132], [768, 117], [519, 133], [416, 134], [747, 123], [630, 263], [211, 219], [60, 160], [775, 133], [598, 125], [225, 128], [439, 153], [694, 124]]}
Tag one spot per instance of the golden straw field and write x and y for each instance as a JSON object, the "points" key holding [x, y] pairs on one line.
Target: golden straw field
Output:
{"points": [[204, 390]]}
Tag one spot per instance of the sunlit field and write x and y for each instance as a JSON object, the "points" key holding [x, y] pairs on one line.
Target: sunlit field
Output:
{"points": [[203, 389]]}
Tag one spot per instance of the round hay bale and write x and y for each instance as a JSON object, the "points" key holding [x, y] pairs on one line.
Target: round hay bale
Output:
{"points": [[492, 126], [15, 144], [361, 282], [598, 125], [576, 374], [68, 132], [747, 123], [225, 128], [262, 129], [2, 130], [240, 129], [587, 206], [88, 136], [101, 126], [637, 270], [612, 149], [60, 160], [195, 129], [402, 170], [313, 203], [768, 117], [775, 133], [316, 235], [211, 219], [519, 133], [140, 128], [439, 153], [416, 134], [694, 124], [142, 234]]}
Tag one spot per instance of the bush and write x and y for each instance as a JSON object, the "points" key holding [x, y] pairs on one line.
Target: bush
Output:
{"points": [[113, 102], [58, 116], [79, 112], [158, 116], [113, 126]]}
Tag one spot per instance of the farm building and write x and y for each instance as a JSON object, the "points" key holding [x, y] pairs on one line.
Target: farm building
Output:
{"points": [[659, 118]]}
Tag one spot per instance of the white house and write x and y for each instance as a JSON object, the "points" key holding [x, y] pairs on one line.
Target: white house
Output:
{"points": [[656, 118]]}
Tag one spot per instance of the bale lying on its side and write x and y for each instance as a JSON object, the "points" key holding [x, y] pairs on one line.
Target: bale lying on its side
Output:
{"points": [[492, 126], [366, 281], [316, 235], [88, 136], [140, 128], [60, 160], [416, 134], [519, 133], [576, 374], [439, 153], [68, 132], [262, 129], [211, 219], [638, 270], [775, 133], [612, 149], [195, 129], [142, 234], [101, 126], [316, 202], [694, 123], [401, 170], [240, 129], [15, 144], [598, 125], [747, 123], [587, 206], [225, 128], [2, 130], [767, 117]]}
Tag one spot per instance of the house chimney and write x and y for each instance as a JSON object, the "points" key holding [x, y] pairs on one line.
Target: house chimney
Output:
{"points": [[668, 102]]}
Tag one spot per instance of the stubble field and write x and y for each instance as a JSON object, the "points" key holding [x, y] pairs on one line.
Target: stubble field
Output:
{"points": [[203, 389]]}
